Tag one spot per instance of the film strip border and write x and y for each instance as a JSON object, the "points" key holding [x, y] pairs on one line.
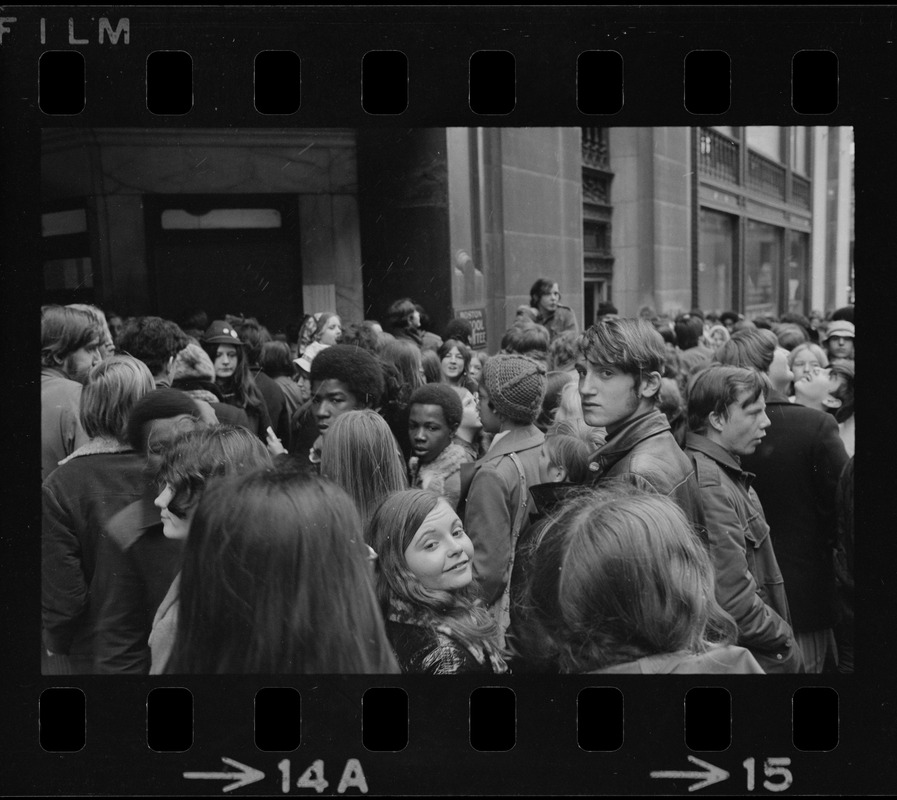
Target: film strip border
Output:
{"points": [[425, 737], [447, 66], [707, 83]]}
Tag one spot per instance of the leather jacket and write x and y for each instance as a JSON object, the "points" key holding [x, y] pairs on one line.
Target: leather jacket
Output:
{"points": [[644, 453]]}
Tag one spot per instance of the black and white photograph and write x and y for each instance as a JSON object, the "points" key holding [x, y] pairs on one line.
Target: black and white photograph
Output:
{"points": [[418, 387]]}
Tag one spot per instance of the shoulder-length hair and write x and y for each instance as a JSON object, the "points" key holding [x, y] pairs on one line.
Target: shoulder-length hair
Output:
{"points": [[621, 575], [815, 349], [107, 344], [276, 579], [195, 456], [405, 357], [463, 349], [64, 330], [390, 531], [113, 387], [398, 315], [361, 455], [276, 360], [541, 287]]}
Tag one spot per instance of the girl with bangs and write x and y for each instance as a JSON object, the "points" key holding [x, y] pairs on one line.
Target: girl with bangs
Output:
{"points": [[276, 580], [425, 586], [623, 585]]}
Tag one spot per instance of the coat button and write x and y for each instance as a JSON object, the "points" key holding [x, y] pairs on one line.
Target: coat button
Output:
{"points": [[594, 466], [779, 656]]}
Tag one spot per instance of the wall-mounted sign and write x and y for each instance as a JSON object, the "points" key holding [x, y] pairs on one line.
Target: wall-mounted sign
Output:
{"points": [[477, 319]]}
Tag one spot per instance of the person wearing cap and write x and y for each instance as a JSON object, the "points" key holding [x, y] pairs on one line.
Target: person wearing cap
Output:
{"points": [[495, 489], [620, 364], [193, 374], [224, 347], [545, 299], [839, 339]]}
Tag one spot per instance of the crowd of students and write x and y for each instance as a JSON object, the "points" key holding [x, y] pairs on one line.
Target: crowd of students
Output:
{"points": [[649, 495]]}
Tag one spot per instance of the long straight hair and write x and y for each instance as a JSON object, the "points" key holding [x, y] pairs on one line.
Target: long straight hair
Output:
{"points": [[246, 392], [276, 579], [620, 575], [389, 532], [361, 455]]}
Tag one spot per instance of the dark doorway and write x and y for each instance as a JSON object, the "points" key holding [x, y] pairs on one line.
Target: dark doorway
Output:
{"points": [[225, 254]]}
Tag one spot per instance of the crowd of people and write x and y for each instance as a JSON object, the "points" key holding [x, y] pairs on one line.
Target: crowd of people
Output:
{"points": [[648, 495]]}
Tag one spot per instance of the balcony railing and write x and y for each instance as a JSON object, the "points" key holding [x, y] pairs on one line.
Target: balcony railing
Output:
{"points": [[595, 151], [718, 156], [800, 191], [765, 176]]}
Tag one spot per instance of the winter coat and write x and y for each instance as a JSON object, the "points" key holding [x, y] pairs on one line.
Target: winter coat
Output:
{"points": [[531, 652], [165, 626], [79, 499], [748, 580], [275, 404], [561, 320], [139, 563], [491, 500], [644, 453], [797, 466], [60, 426], [723, 660], [442, 475]]}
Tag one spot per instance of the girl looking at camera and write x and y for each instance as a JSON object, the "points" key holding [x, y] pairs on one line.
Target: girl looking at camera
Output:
{"points": [[425, 587]]}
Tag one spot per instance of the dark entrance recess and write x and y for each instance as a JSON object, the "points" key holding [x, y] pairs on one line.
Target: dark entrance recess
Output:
{"points": [[225, 254], [404, 220]]}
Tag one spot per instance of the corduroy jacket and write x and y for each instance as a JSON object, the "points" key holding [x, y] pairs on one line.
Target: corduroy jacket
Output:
{"points": [[490, 501]]}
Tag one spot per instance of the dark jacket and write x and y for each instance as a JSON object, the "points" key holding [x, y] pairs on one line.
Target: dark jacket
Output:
{"points": [[531, 652], [748, 580], [644, 453], [79, 498], [561, 320], [797, 465], [275, 404], [490, 501], [138, 563]]}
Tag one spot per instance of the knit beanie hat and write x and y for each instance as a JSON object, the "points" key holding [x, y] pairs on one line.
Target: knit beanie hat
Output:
{"points": [[193, 362], [516, 386]]}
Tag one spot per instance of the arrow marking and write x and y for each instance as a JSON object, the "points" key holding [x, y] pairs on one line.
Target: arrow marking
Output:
{"points": [[711, 775], [244, 777]]}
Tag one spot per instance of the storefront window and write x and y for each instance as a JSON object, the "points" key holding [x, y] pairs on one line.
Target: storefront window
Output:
{"points": [[716, 248], [798, 273], [762, 268]]}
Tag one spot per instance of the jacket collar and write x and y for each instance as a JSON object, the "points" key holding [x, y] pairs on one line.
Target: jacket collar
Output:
{"points": [[644, 426], [516, 439], [547, 496], [723, 457], [101, 445], [777, 397]]}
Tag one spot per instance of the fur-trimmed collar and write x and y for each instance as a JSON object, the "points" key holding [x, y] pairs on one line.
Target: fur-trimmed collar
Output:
{"points": [[101, 445], [433, 476]]}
